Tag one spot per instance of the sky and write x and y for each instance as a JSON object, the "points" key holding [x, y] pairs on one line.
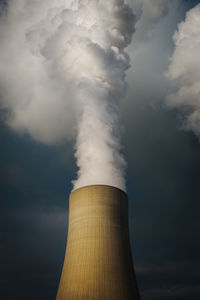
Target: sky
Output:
{"points": [[160, 143]]}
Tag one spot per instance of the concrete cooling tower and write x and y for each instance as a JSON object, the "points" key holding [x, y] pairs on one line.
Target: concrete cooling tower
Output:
{"points": [[98, 263]]}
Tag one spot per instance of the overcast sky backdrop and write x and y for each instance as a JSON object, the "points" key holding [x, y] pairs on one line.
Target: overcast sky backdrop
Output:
{"points": [[163, 176]]}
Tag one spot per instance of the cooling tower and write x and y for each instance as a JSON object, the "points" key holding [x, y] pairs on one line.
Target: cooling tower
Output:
{"points": [[98, 263]]}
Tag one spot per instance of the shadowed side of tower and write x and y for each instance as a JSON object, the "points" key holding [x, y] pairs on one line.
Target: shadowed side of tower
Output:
{"points": [[98, 263]]}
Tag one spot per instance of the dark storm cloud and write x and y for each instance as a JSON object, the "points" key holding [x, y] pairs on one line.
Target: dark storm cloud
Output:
{"points": [[33, 216], [174, 280], [176, 293], [162, 182], [30, 252], [31, 167], [163, 170]]}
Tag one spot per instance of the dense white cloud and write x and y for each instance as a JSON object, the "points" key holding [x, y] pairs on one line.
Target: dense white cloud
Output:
{"points": [[35, 95], [184, 70], [62, 67], [58, 55]]}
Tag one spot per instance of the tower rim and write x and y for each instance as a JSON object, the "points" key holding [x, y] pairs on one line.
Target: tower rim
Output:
{"points": [[98, 185]]}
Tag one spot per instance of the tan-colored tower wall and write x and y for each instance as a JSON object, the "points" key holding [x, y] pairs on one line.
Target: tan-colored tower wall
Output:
{"points": [[98, 263]]}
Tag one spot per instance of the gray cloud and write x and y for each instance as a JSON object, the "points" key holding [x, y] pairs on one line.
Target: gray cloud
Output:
{"points": [[176, 292], [148, 14], [184, 71]]}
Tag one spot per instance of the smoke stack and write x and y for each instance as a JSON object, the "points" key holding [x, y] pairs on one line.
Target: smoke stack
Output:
{"points": [[98, 263]]}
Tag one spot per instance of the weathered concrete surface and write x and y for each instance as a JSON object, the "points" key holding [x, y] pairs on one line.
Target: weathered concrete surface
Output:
{"points": [[98, 263]]}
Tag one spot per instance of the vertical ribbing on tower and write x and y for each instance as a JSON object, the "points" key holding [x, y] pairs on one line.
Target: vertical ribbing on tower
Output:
{"points": [[98, 263]]}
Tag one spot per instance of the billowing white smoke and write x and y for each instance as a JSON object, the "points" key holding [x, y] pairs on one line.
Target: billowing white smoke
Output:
{"points": [[64, 60], [184, 70]]}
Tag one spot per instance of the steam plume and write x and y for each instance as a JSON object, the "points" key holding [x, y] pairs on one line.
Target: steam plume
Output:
{"points": [[63, 71], [184, 70]]}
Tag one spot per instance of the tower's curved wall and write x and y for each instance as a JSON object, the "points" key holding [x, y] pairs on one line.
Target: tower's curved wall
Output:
{"points": [[98, 263]]}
